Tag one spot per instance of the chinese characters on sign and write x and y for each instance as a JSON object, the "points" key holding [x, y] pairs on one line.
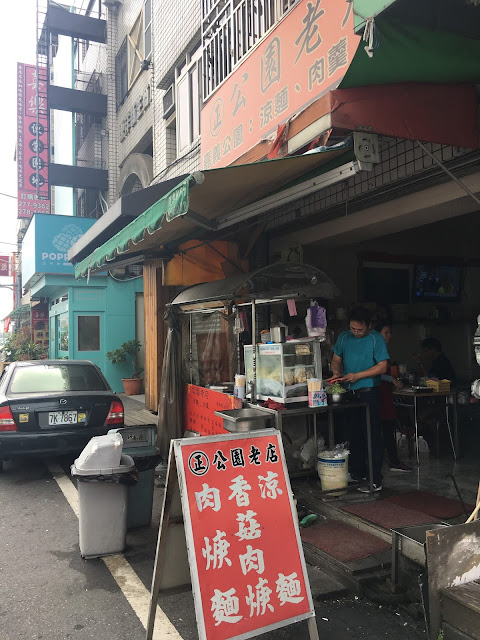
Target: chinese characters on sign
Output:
{"points": [[5, 265], [200, 406], [246, 559], [306, 55], [40, 332], [32, 135]]}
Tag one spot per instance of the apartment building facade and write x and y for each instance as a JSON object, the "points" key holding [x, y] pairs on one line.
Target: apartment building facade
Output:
{"points": [[202, 86]]}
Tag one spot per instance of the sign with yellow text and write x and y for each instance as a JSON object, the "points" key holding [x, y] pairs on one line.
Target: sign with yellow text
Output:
{"points": [[305, 56]]}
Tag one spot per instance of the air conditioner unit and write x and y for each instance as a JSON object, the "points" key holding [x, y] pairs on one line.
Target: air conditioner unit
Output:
{"points": [[169, 102]]}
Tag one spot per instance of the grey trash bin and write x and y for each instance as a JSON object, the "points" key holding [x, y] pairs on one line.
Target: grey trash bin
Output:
{"points": [[139, 443], [102, 472]]}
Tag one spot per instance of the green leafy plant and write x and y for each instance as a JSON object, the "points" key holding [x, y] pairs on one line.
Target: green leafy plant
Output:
{"points": [[126, 353], [336, 387], [20, 346]]}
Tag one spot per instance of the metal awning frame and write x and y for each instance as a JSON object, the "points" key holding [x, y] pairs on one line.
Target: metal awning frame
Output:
{"points": [[286, 196], [234, 297], [199, 215]]}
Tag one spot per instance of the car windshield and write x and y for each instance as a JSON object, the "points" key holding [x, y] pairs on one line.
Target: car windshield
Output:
{"points": [[49, 378]]}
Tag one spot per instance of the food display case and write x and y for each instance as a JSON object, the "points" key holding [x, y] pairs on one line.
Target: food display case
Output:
{"points": [[283, 369]]}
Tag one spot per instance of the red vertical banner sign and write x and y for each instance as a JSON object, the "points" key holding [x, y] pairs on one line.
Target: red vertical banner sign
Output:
{"points": [[246, 559], [16, 291], [5, 265], [30, 97], [40, 325]]}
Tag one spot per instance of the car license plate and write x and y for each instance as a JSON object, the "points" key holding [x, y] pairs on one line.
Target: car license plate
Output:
{"points": [[62, 417]]}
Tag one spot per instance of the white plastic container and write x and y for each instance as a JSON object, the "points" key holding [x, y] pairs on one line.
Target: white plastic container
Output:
{"points": [[333, 474], [101, 452], [102, 518]]}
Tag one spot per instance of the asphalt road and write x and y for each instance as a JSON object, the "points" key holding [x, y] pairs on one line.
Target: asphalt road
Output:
{"points": [[47, 592]]}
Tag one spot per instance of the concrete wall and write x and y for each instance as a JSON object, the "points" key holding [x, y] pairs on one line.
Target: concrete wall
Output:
{"points": [[122, 22], [114, 302]]}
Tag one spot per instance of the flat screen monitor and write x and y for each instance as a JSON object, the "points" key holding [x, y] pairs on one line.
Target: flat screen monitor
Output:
{"points": [[437, 283], [386, 286]]}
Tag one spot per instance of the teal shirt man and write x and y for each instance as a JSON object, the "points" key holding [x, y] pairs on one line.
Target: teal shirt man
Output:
{"points": [[359, 354]]}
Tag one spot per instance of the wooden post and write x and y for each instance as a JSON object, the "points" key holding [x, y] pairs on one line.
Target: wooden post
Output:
{"points": [[156, 296]]}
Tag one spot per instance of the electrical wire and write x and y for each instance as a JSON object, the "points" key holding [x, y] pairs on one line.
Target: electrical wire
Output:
{"points": [[7, 195]]}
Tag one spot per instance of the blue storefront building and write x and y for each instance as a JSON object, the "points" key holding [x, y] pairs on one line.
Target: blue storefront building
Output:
{"points": [[86, 318]]}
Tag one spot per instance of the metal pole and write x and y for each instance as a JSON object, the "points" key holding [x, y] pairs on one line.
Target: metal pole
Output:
{"points": [[416, 427], [369, 447], [331, 428], [190, 354], [449, 428], [237, 336], [448, 172], [254, 353]]}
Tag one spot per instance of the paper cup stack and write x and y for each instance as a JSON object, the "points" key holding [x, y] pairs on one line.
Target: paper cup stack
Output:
{"points": [[316, 395], [239, 388]]}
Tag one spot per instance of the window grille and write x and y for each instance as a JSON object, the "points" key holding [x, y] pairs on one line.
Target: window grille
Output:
{"points": [[230, 29]]}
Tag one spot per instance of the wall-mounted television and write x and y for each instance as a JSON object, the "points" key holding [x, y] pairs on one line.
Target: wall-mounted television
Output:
{"points": [[437, 283]]}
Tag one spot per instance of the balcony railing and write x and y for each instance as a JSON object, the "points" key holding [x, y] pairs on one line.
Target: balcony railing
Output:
{"points": [[230, 29]]}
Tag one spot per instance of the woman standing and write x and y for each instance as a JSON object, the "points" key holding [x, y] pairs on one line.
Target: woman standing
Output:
{"points": [[388, 413]]}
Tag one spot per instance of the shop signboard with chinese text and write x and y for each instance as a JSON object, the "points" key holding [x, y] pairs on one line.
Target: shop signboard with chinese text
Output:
{"points": [[40, 331], [200, 405], [32, 134], [304, 57], [245, 555]]}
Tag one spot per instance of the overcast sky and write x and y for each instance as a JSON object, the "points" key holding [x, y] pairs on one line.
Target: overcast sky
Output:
{"points": [[17, 44]]}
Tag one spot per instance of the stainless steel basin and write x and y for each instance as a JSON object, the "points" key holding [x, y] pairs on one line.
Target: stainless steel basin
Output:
{"points": [[242, 420], [410, 542]]}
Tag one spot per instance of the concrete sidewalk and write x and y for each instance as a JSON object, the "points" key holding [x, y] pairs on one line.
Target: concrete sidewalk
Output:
{"points": [[135, 411]]}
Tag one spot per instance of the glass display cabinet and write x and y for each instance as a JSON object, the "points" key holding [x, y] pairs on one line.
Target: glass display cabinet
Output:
{"points": [[283, 369]]}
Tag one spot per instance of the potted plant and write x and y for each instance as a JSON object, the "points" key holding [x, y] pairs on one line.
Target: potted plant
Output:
{"points": [[127, 353]]}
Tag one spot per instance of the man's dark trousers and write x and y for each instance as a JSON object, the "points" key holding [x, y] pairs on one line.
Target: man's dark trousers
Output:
{"points": [[357, 434]]}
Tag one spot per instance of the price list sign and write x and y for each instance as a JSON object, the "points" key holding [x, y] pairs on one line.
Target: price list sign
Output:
{"points": [[200, 405], [246, 559], [32, 141]]}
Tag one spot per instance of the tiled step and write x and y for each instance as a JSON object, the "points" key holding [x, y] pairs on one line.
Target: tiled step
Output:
{"points": [[351, 573], [323, 585], [333, 510]]}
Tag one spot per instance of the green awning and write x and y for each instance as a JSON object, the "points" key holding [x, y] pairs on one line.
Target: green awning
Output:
{"points": [[205, 198], [453, 16], [174, 204], [412, 53]]}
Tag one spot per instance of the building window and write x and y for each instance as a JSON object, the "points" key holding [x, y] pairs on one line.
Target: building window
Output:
{"points": [[188, 102], [147, 27], [139, 43], [230, 29], [171, 141], [121, 74], [63, 333], [135, 50], [88, 333]]}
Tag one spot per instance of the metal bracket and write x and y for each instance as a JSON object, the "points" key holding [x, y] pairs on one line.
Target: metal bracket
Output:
{"points": [[448, 172], [199, 220]]}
